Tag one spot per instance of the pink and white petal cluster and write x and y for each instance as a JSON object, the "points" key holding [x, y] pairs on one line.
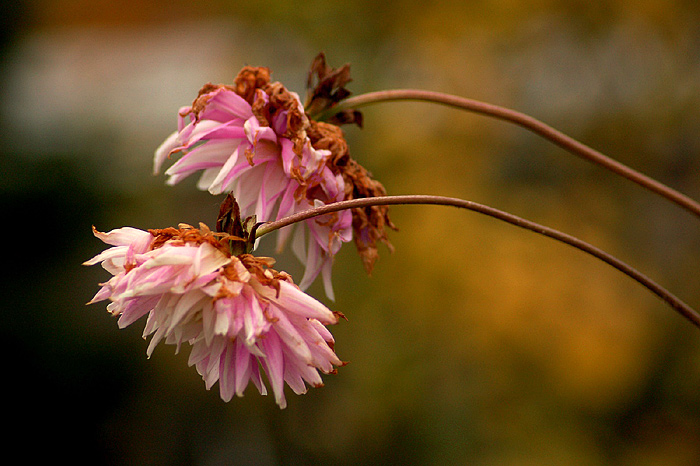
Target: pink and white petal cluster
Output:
{"points": [[234, 320], [269, 177]]}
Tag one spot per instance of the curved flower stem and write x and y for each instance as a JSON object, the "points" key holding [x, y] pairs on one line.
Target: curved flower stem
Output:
{"points": [[686, 311], [525, 121]]}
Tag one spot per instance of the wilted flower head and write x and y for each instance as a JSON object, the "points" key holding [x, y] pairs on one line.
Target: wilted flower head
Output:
{"points": [[236, 312], [254, 139]]}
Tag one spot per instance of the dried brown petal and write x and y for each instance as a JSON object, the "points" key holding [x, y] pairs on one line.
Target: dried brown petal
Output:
{"points": [[200, 102], [369, 223], [261, 267], [249, 79], [188, 234]]}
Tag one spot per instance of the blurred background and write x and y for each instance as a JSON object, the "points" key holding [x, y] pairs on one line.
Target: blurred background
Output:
{"points": [[475, 342]]}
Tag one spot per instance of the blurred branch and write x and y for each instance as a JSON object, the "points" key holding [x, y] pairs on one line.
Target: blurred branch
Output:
{"points": [[686, 311], [525, 121]]}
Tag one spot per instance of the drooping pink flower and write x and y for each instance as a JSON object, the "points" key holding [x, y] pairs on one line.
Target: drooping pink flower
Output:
{"points": [[237, 313], [251, 140]]}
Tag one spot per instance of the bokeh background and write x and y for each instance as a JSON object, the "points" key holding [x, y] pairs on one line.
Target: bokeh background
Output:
{"points": [[475, 342]]}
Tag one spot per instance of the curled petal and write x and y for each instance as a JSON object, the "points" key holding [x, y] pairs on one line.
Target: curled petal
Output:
{"points": [[236, 313], [258, 149]]}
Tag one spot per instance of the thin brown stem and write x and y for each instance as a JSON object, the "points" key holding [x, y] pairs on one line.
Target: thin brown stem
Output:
{"points": [[529, 123], [678, 305]]}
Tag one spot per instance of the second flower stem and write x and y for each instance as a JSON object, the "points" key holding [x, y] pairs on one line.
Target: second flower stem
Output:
{"points": [[532, 124], [678, 305]]}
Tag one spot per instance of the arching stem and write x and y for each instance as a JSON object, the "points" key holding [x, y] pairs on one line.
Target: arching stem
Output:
{"points": [[686, 311], [542, 129]]}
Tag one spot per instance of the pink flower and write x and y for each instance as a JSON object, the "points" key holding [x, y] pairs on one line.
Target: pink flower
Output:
{"points": [[236, 312], [257, 148]]}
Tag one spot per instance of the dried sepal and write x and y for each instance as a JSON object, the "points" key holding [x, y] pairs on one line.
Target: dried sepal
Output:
{"points": [[326, 88]]}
